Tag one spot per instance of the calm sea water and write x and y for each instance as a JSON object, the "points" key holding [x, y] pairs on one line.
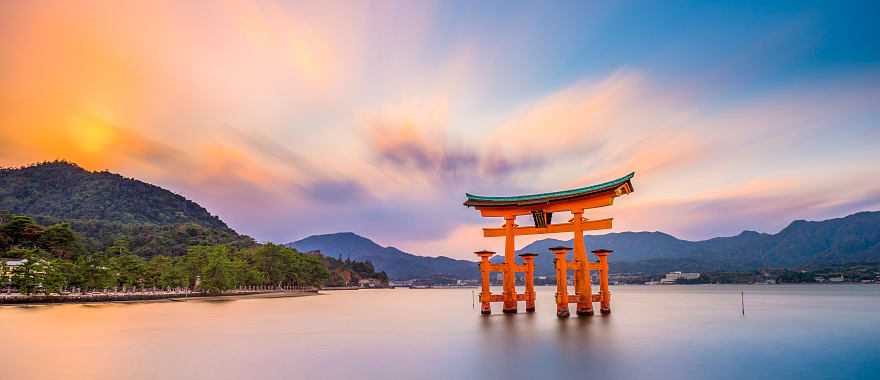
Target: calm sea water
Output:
{"points": [[660, 332]]}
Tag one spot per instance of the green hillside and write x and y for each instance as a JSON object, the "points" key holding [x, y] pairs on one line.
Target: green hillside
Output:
{"points": [[66, 191], [104, 207]]}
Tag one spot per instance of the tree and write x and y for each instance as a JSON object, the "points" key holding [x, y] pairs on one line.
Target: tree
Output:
{"points": [[29, 275], [128, 269], [5, 216], [382, 276], [60, 241], [275, 262], [244, 273], [180, 274], [159, 272], [4, 274], [57, 275], [119, 248], [21, 231], [194, 263], [308, 270], [5, 242], [95, 271], [217, 276]]}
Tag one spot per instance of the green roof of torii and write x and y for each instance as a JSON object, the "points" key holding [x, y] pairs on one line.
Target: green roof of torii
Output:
{"points": [[521, 200]]}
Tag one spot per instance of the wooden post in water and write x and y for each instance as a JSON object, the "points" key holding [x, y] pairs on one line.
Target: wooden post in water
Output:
{"points": [[604, 293], [485, 267], [561, 281], [529, 263]]}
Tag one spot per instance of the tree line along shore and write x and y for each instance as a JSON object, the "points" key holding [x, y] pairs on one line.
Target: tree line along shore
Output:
{"points": [[48, 262]]}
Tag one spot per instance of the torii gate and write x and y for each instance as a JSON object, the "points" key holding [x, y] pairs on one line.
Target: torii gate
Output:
{"points": [[542, 207]]}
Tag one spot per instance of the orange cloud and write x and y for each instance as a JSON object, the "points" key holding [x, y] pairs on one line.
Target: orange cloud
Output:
{"points": [[565, 120], [599, 130]]}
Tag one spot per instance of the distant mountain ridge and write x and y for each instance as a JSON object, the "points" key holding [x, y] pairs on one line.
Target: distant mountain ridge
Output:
{"points": [[802, 244], [399, 265]]}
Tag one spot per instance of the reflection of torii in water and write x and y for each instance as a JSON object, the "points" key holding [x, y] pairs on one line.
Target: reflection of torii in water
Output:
{"points": [[542, 207]]}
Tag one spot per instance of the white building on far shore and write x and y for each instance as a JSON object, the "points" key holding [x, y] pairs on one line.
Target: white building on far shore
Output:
{"points": [[673, 277], [11, 264]]}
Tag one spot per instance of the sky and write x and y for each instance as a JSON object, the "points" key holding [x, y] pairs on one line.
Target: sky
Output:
{"points": [[288, 119]]}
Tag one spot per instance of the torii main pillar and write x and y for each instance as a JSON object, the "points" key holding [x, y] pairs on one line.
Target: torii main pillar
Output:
{"points": [[509, 266], [583, 288]]}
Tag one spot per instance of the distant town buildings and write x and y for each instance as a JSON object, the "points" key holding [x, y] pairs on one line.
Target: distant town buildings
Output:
{"points": [[859, 273]]}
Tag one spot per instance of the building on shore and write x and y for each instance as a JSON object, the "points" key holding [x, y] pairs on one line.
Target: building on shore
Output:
{"points": [[675, 277], [9, 265], [12, 263], [401, 283], [370, 283]]}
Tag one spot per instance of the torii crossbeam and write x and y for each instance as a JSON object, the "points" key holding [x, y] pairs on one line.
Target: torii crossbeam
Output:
{"points": [[541, 207]]}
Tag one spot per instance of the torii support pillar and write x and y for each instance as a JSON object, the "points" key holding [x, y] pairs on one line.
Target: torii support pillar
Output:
{"points": [[561, 254], [529, 263], [604, 293], [485, 270]]}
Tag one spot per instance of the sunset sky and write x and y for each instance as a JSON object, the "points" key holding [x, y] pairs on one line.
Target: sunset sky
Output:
{"points": [[294, 118]]}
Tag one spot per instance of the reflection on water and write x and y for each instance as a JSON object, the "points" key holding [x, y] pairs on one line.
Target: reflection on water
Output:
{"points": [[811, 332]]}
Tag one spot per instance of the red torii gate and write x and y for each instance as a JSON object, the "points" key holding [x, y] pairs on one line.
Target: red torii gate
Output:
{"points": [[541, 207]]}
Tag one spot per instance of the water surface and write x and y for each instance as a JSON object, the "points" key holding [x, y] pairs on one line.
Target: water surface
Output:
{"points": [[804, 331]]}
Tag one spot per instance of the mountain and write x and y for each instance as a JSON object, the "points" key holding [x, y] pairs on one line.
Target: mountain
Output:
{"points": [[852, 239], [104, 207], [64, 190], [802, 244], [397, 264], [855, 238]]}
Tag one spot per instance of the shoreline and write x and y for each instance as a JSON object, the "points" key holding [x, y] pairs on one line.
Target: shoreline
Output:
{"points": [[153, 298]]}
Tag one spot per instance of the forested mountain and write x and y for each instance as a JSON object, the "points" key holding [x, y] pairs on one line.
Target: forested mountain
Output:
{"points": [[103, 208], [397, 264], [66, 191]]}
